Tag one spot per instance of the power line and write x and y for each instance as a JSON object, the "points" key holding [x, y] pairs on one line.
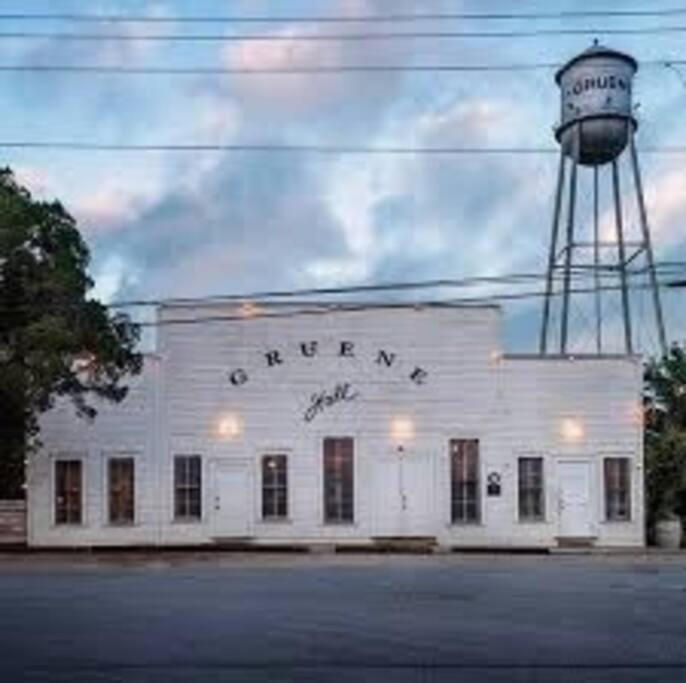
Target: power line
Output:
{"points": [[254, 313], [293, 297], [323, 69], [60, 146], [337, 19], [267, 147], [511, 278], [332, 37], [352, 68]]}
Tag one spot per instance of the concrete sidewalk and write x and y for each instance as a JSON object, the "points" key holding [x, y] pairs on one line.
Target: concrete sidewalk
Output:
{"points": [[64, 560]]}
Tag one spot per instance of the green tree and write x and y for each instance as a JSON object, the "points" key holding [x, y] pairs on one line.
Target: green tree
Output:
{"points": [[665, 436], [54, 340]]}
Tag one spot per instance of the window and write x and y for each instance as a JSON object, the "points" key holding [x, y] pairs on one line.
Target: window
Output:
{"points": [[617, 490], [120, 476], [187, 487], [68, 492], [464, 480], [274, 487], [338, 480], [531, 507]]}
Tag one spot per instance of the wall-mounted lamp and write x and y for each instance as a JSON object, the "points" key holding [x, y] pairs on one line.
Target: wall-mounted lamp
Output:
{"points": [[637, 414], [572, 430], [229, 427], [402, 432], [248, 309], [496, 357]]}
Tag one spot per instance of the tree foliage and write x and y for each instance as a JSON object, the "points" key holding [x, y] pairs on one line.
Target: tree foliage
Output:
{"points": [[54, 340], [665, 435]]}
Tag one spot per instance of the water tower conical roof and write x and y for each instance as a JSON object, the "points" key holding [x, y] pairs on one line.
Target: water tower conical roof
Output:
{"points": [[595, 50]]}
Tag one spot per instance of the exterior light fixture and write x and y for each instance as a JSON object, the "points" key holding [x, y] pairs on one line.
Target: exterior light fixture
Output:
{"points": [[572, 430], [249, 310], [402, 431], [229, 427], [496, 357], [637, 414]]}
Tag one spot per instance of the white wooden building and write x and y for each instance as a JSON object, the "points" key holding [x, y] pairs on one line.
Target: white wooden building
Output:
{"points": [[347, 425]]}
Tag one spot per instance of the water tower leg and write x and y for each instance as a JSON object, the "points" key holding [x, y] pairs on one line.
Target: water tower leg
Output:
{"points": [[596, 266], [567, 273], [645, 229], [552, 256], [622, 257]]}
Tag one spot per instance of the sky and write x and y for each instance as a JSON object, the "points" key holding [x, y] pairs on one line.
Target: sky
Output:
{"points": [[163, 224]]}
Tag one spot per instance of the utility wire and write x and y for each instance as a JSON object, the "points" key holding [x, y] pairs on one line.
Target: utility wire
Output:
{"points": [[354, 68], [317, 69], [294, 297], [336, 19], [506, 279], [254, 313], [298, 148], [292, 303], [267, 147], [329, 37]]}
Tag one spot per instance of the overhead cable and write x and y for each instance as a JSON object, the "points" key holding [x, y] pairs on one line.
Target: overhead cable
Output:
{"points": [[333, 37], [445, 283], [335, 19], [61, 146], [256, 312], [303, 69]]}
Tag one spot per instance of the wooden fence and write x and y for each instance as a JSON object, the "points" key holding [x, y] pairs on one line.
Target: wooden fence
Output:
{"points": [[12, 522]]}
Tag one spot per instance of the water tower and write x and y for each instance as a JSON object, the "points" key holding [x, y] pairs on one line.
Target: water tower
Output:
{"points": [[597, 127]]}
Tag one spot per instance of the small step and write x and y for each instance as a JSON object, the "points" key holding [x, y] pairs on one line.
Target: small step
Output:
{"points": [[406, 544], [576, 541], [233, 542]]}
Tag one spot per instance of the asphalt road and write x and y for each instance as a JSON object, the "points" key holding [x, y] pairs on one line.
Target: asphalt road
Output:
{"points": [[440, 618]]}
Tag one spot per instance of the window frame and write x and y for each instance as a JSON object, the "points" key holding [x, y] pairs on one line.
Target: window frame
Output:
{"points": [[627, 463], [340, 519], [274, 488], [453, 454], [57, 461], [110, 458], [188, 488], [531, 519]]}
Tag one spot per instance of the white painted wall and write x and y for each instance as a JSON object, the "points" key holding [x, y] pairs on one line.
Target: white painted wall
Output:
{"points": [[125, 429], [513, 405]]}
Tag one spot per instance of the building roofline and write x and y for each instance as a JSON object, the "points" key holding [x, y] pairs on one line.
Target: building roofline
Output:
{"points": [[332, 306], [571, 357]]}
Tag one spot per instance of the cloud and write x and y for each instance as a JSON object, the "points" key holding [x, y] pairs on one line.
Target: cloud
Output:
{"points": [[480, 120], [435, 216], [665, 198], [666, 205], [293, 92], [109, 206], [253, 222], [105, 50], [37, 180], [331, 101]]}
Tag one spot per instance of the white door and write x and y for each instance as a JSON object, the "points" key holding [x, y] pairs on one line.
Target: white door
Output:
{"points": [[402, 496], [231, 503], [574, 501]]}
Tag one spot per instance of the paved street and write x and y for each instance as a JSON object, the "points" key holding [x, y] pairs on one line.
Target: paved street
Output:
{"points": [[343, 618]]}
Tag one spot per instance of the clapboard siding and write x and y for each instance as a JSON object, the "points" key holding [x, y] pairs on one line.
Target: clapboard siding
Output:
{"points": [[514, 406]]}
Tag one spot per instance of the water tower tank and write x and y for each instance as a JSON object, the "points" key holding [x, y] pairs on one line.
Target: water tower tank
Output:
{"points": [[596, 105]]}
